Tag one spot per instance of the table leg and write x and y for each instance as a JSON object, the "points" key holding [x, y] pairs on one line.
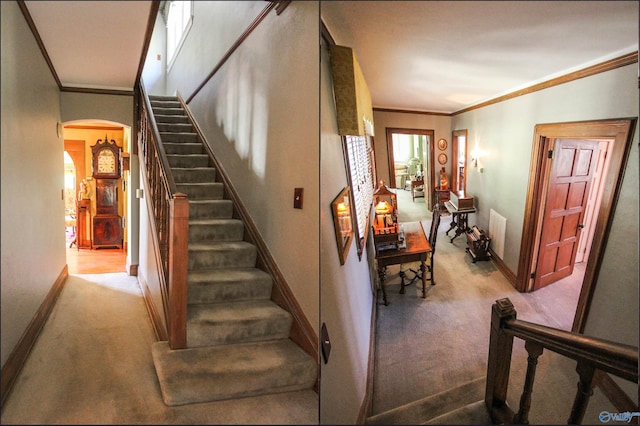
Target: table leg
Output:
{"points": [[402, 275], [423, 269], [381, 275], [461, 225], [454, 223]]}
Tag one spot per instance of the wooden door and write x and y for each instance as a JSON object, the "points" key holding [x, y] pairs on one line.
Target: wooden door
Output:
{"points": [[572, 169]]}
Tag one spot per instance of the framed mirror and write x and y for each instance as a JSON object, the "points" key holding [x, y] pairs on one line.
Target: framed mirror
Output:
{"points": [[343, 222]]}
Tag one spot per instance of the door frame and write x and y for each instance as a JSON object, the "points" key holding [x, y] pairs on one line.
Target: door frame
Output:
{"points": [[455, 173], [621, 131], [423, 132]]}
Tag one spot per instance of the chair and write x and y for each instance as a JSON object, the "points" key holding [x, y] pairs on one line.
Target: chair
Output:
{"points": [[433, 235]]}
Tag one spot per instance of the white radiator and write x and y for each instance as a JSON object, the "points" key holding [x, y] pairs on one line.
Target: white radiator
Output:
{"points": [[497, 231]]}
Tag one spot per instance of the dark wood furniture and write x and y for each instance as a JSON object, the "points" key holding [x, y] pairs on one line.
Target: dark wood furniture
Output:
{"points": [[478, 243], [440, 196], [107, 169], [416, 250], [83, 215], [417, 188], [459, 219]]}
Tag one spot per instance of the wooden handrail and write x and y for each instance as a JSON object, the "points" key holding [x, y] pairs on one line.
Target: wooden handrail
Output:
{"points": [[615, 358], [590, 353], [169, 211]]}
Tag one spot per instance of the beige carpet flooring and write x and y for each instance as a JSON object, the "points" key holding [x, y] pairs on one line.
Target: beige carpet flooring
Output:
{"points": [[425, 346], [92, 365]]}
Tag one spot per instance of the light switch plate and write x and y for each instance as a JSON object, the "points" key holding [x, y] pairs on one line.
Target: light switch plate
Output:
{"points": [[297, 198]]}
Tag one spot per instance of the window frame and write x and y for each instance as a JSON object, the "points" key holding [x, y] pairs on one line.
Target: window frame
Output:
{"points": [[184, 31]]}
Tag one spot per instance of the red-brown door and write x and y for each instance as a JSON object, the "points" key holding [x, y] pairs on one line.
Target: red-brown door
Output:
{"points": [[569, 181]]}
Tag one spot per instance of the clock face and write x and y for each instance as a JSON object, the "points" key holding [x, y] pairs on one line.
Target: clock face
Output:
{"points": [[106, 162]]}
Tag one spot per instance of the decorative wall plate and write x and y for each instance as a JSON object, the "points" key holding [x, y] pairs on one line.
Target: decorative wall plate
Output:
{"points": [[442, 144], [442, 158]]}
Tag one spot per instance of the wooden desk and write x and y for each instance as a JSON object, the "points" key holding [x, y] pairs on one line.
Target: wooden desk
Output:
{"points": [[459, 219], [416, 250]]}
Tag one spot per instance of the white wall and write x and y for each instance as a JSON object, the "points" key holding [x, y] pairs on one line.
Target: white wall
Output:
{"points": [[216, 26], [260, 115], [33, 240], [91, 106], [347, 300]]}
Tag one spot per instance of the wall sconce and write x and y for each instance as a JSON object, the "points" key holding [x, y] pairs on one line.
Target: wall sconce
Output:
{"points": [[475, 155]]}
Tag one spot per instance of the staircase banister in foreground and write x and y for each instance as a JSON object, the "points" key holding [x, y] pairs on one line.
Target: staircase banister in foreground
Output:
{"points": [[590, 353], [615, 358]]}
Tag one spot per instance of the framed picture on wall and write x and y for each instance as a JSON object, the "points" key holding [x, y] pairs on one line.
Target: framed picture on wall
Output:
{"points": [[343, 222], [442, 144], [442, 158]]}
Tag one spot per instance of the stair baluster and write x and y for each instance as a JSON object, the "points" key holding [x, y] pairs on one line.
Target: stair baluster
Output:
{"points": [[585, 390], [534, 350], [591, 354]]}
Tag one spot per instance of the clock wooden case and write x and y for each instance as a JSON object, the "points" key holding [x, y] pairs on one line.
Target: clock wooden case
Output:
{"points": [[107, 223]]}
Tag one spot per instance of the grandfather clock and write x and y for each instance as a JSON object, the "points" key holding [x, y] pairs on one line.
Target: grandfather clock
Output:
{"points": [[107, 224]]}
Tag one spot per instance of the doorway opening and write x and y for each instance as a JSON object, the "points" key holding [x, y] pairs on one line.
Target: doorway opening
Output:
{"points": [[81, 197], [459, 160], [617, 134], [411, 168]]}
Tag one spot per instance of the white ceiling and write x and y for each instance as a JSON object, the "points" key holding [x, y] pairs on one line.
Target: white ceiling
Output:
{"points": [[443, 56], [438, 56], [93, 44]]}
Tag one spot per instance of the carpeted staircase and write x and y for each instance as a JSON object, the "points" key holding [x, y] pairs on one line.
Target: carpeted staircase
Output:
{"points": [[237, 338], [462, 405]]}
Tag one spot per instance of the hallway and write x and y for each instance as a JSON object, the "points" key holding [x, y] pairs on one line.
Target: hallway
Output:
{"points": [[427, 346], [92, 364]]}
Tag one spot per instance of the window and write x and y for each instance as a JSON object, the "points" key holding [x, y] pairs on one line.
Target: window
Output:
{"points": [[178, 15], [359, 155]]}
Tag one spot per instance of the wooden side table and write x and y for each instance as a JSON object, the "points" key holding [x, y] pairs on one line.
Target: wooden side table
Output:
{"points": [[83, 236], [441, 197], [459, 219], [415, 183]]}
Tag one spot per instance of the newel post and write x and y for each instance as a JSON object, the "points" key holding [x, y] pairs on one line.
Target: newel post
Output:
{"points": [[499, 362], [178, 267]]}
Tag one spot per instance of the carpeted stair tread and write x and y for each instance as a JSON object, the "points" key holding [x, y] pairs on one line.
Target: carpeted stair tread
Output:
{"points": [[173, 118], [224, 285], [194, 174], [215, 373], [183, 148], [199, 209], [202, 191], [228, 254], [475, 413], [236, 322], [201, 230], [423, 410]]}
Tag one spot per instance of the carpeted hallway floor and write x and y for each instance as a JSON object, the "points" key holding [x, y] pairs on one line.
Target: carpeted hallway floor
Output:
{"points": [[426, 346], [92, 365]]}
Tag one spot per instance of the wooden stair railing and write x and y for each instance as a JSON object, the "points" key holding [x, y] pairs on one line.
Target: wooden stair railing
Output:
{"points": [[170, 210], [590, 353]]}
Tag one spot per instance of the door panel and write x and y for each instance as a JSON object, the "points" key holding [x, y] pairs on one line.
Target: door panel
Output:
{"points": [[572, 168]]}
